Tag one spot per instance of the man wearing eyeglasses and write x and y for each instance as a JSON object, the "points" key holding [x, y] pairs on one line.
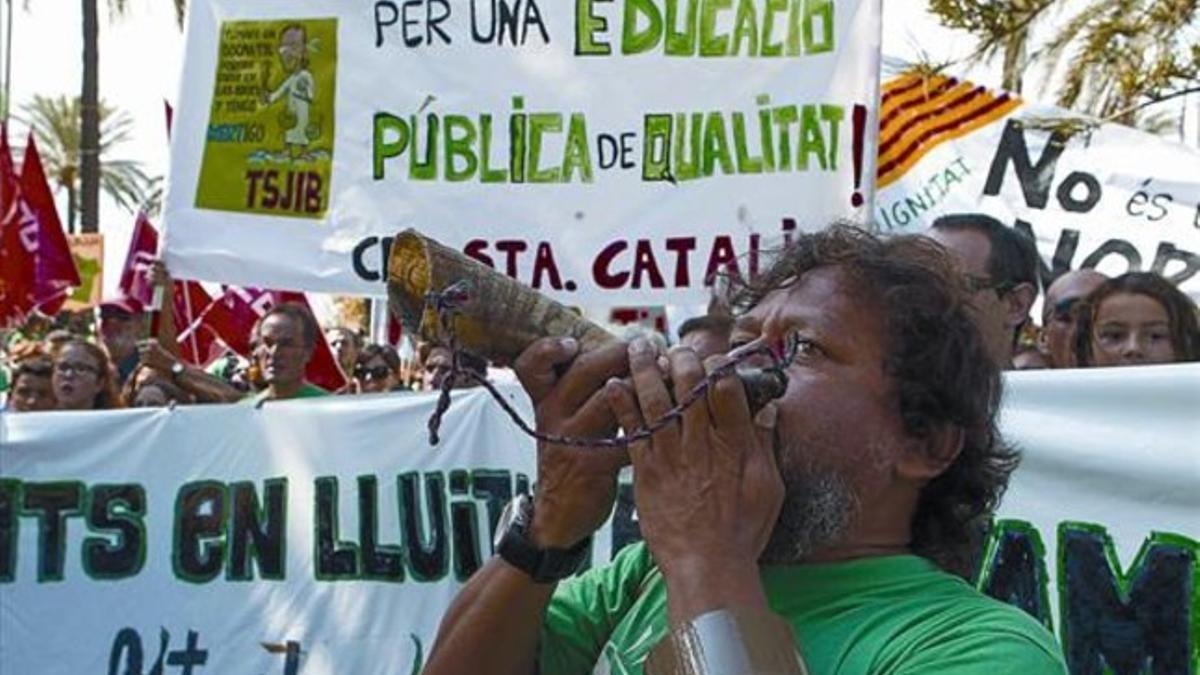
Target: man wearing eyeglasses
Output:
{"points": [[284, 341], [1058, 321], [1001, 267], [122, 325]]}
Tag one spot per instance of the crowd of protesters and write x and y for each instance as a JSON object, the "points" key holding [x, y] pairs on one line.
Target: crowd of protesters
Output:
{"points": [[107, 360]]}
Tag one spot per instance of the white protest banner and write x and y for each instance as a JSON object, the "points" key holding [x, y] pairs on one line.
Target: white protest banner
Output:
{"points": [[294, 539], [325, 537], [1095, 195], [605, 152], [1098, 534]]}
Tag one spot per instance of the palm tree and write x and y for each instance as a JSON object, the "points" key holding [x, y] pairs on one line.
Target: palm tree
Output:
{"points": [[56, 124], [1126, 54], [89, 128], [1002, 27], [180, 10], [1110, 59], [89, 135]]}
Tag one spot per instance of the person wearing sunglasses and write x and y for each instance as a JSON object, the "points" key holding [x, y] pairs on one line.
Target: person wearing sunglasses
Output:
{"points": [[377, 369], [1001, 265], [84, 379], [1058, 319]]}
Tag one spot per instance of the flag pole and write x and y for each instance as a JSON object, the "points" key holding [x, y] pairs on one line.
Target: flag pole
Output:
{"points": [[8, 60], [379, 321]]}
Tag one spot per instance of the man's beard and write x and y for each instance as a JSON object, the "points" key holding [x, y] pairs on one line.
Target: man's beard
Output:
{"points": [[819, 506]]}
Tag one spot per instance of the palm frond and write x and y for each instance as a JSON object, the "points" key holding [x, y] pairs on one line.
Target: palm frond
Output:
{"points": [[55, 122]]}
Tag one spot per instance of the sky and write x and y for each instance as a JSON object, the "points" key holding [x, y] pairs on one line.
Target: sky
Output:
{"points": [[141, 54]]}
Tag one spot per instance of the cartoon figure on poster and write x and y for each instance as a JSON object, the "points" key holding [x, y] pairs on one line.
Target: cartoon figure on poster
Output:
{"points": [[269, 144], [298, 89]]}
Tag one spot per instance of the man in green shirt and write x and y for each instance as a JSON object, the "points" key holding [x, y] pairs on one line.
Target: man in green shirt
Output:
{"points": [[284, 340], [848, 510]]}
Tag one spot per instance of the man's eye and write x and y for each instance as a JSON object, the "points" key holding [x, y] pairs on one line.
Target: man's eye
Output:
{"points": [[804, 348]]}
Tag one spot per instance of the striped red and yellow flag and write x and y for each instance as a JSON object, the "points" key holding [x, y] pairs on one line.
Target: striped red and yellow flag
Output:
{"points": [[918, 112]]}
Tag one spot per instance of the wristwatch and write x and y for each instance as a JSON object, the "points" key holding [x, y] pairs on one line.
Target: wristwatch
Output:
{"points": [[543, 565], [177, 369]]}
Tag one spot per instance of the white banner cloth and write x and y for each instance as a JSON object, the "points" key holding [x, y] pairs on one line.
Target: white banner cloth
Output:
{"points": [[1093, 195], [607, 153], [1110, 455]]}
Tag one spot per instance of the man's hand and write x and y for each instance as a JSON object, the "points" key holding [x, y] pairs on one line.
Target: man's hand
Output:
{"points": [[707, 490], [152, 355], [158, 275], [576, 487]]}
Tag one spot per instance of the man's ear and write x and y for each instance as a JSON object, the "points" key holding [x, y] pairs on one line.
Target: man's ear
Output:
{"points": [[1018, 302], [924, 461]]}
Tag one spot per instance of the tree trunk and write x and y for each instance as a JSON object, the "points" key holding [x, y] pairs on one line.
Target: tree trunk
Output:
{"points": [[89, 133], [72, 211]]}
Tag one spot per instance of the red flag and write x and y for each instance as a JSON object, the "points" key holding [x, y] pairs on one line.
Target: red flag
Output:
{"points": [[190, 302], [18, 243], [197, 340], [243, 307], [395, 330], [54, 271], [143, 251], [240, 309], [650, 316]]}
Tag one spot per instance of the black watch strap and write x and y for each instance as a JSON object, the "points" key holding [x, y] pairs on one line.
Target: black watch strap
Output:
{"points": [[543, 565]]}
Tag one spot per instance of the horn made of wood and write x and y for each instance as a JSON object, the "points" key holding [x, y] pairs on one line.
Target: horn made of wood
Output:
{"points": [[497, 317]]}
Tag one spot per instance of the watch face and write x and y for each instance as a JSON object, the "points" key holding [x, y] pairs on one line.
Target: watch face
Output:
{"points": [[517, 511], [502, 525]]}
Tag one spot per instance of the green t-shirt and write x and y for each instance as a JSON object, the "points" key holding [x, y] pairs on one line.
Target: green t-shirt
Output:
{"points": [[307, 391], [893, 615]]}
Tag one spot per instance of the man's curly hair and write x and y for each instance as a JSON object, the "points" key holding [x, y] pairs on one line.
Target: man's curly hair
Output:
{"points": [[938, 363]]}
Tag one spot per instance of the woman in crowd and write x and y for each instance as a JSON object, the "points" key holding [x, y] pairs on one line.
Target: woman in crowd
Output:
{"points": [[377, 369], [1137, 318], [83, 378]]}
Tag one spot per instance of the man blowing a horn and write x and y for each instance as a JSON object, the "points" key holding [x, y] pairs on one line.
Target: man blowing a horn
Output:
{"points": [[829, 533]]}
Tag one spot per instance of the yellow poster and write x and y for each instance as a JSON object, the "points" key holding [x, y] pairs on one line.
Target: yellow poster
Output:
{"points": [[88, 252], [269, 143]]}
